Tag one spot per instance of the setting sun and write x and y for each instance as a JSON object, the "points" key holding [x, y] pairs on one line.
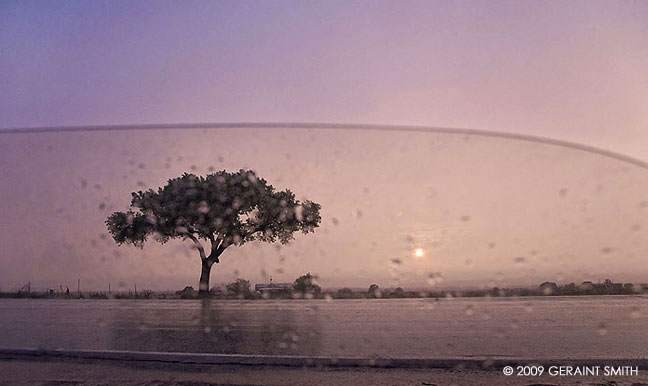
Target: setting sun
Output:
{"points": [[418, 252]]}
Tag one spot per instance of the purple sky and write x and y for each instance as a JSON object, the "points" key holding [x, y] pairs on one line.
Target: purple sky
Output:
{"points": [[569, 70], [572, 70]]}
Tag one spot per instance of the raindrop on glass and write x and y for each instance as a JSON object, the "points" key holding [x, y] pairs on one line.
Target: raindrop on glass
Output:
{"points": [[602, 329]]}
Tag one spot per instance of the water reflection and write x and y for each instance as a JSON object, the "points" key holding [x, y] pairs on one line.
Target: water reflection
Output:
{"points": [[218, 328]]}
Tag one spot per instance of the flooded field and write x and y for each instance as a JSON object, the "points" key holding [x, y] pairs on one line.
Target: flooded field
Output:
{"points": [[602, 326]]}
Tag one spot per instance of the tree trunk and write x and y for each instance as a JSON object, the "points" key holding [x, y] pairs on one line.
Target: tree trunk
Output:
{"points": [[203, 288]]}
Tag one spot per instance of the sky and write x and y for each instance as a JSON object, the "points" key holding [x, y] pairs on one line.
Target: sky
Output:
{"points": [[574, 71]]}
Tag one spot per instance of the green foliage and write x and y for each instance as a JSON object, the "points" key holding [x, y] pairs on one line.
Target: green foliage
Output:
{"points": [[224, 208], [307, 284], [240, 287]]}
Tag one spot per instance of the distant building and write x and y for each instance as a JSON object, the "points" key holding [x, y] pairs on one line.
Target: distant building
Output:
{"points": [[272, 288]]}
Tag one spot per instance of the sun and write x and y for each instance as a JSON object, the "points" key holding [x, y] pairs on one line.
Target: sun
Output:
{"points": [[419, 252]]}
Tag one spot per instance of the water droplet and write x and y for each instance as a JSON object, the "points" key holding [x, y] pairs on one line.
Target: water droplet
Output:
{"points": [[203, 207], [602, 329], [207, 330], [488, 363], [434, 278], [469, 310]]}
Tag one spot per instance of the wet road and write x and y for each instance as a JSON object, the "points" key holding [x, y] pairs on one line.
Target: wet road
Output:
{"points": [[578, 327]]}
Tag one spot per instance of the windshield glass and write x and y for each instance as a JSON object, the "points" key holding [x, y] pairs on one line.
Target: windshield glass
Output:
{"points": [[456, 230], [287, 192]]}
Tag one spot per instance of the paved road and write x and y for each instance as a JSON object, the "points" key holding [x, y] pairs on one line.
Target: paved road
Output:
{"points": [[576, 327], [41, 373]]}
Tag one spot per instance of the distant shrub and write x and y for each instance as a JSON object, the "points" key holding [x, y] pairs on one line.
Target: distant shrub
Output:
{"points": [[187, 293]]}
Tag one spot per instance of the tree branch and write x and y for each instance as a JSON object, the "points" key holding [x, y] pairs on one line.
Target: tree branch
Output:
{"points": [[199, 246], [259, 227], [216, 252]]}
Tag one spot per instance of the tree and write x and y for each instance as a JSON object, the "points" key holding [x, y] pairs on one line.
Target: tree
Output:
{"points": [[398, 293], [222, 208], [307, 284], [374, 291], [240, 287], [345, 292], [187, 293], [548, 288]]}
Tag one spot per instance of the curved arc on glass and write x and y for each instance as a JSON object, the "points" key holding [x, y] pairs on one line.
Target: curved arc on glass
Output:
{"points": [[330, 126]]}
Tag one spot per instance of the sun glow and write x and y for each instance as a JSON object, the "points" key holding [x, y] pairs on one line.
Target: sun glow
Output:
{"points": [[419, 252]]}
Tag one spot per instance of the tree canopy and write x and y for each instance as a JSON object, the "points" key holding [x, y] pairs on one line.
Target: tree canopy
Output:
{"points": [[374, 290], [223, 208], [307, 284], [239, 287]]}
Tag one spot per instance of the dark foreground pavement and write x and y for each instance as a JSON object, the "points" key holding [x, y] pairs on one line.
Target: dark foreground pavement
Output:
{"points": [[92, 372]]}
